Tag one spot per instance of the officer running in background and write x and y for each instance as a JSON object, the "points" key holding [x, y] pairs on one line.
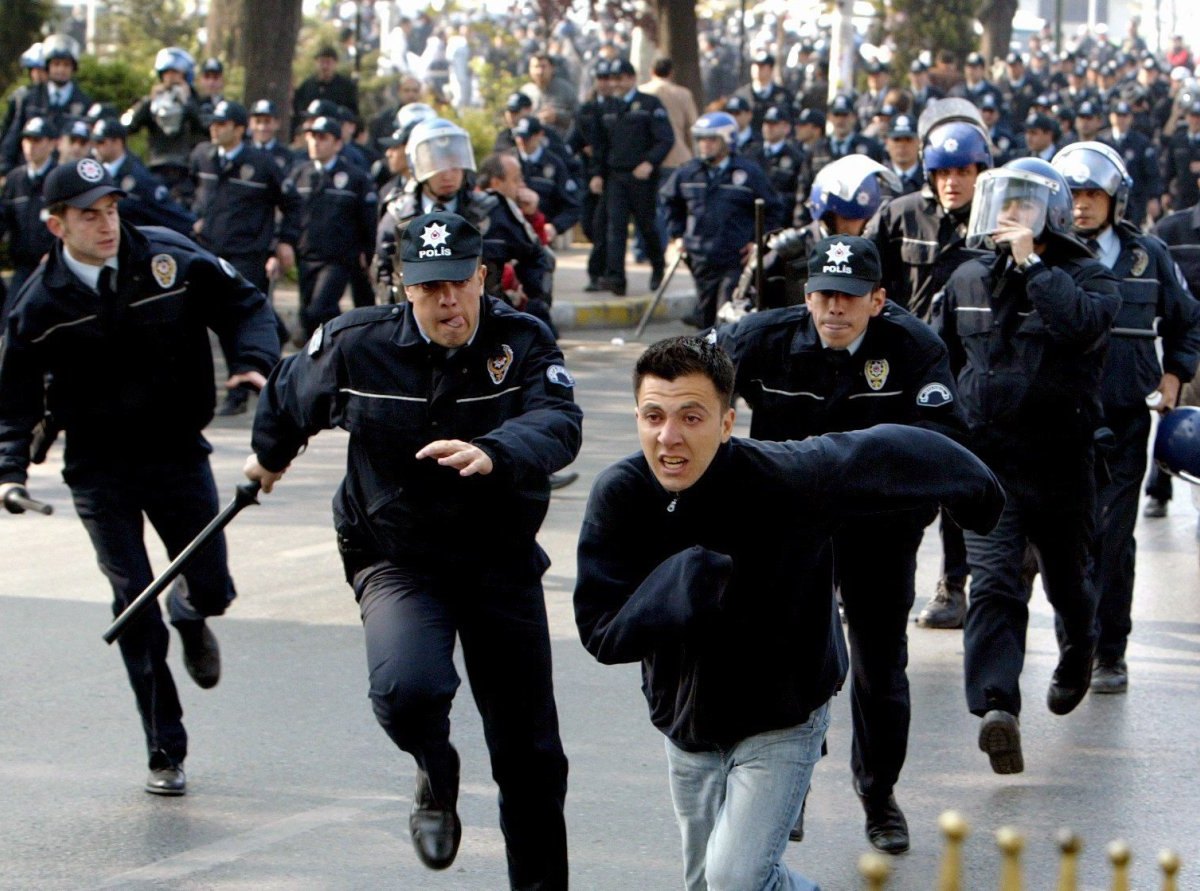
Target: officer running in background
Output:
{"points": [[147, 200], [328, 223], [1027, 328], [456, 406], [21, 204], [848, 360], [709, 204], [922, 240], [1150, 286], [119, 318]]}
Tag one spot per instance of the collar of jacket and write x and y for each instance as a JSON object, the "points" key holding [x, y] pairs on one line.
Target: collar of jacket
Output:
{"points": [[134, 250]]}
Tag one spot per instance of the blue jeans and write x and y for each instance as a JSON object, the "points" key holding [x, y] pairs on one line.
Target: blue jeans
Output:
{"points": [[735, 807]]}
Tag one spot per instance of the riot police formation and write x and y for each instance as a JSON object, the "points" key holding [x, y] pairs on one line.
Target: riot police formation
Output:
{"points": [[54, 100], [147, 200]]}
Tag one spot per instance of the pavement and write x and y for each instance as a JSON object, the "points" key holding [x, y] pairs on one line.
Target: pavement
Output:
{"points": [[573, 308], [294, 787]]}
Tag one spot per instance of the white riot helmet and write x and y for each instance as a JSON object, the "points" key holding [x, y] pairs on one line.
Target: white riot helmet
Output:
{"points": [[436, 145]]}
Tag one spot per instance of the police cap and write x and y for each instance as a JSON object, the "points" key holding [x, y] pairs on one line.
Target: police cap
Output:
{"points": [[1014, 58], [1041, 122], [80, 185], [78, 128], [874, 66], [1088, 109], [902, 127], [918, 67], [764, 59], [321, 108], [230, 111], [439, 247], [813, 117], [109, 128], [975, 60], [1122, 108], [1194, 108], [737, 104], [212, 66], [844, 263], [322, 124], [622, 68], [526, 127], [38, 128], [264, 108], [776, 114], [841, 104], [988, 102], [519, 101]]}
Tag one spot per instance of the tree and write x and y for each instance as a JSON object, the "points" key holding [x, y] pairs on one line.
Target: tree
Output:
{"points": [[943, 24], [226, 27], [268, 47], [996, 16], [678, 39], [19, 24]]}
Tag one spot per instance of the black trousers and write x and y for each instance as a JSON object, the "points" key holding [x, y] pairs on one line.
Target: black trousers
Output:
{"points": [[253, 268], [179, 498], [625, 196], [714, 286], [877, 579], [1059, 520], [954, 549], [595, 215], [1117, 512], [410, 622], [322, 284]]}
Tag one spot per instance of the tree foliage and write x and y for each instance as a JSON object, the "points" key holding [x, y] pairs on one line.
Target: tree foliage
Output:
{"points": [[917, 25], [140, 28], [20, 21]]}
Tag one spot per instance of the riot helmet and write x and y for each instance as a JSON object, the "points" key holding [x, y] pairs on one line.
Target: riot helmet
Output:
{"points": [[436, 145], [1028, 191], [33, 57], [955, 144], [851, 187], [412, 114], [1177, 443], [1094, 165], [60, 46], [173, 58]]}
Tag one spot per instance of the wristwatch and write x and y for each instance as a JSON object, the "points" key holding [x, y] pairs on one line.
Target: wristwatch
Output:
{"points": [[1029, 262]]}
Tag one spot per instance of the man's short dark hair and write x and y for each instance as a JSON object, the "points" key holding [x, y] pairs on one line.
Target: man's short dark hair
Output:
{"points": [[543, 57], [491, 169], [947, 57], [677, 357], [663, 67]]}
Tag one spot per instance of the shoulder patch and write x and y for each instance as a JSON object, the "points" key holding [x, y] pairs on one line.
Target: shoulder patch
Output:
{"points": [[934, 395], [559, 375]]}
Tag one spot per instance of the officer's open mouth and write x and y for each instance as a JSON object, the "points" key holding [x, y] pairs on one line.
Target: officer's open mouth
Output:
{"points": [[673, 463]]}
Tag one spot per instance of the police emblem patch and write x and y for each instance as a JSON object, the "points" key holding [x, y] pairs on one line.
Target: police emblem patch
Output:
{"points": [[739, 177], [548, 171], [876, 372], [635, 106], [839, 252], [1141, 260], [863, 199], [497, 366], [950, 145], [556, 374], [340, 179], [434, 235], [89, 170], [933, 395], [785, 162], [246, 171], [164, 269], [128, 184]]}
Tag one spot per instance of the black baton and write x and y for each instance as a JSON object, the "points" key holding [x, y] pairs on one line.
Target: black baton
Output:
{"points": [[243, 498]]}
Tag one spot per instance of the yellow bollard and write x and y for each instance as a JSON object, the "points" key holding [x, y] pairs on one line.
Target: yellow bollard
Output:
{"points": [[954, 829], [1010, 843], [1068, 869], [1168, 861], [1118, 856], [875, 869]]}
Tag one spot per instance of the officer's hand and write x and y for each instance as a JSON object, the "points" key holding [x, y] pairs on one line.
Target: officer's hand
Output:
{"points": [[198, 227], [527, 200], [1169, 388], [253, 378], [266, 478], [274, 270], [286, 256], [1019, 238], [466, 458], [16, 490], [643, 170], [551, 232], [596, 185]]}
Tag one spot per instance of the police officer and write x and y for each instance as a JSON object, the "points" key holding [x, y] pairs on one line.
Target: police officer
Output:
{"points": [[119, 317], [1019, 89], [845, 139], [922, 240], [975, 84], [810, 134], [54, 100], [391, 172], [585, 140], [634, 137], [1140, 157], [238, 189], [328, 223], [1181, 162], [763, 91], [21, 204], [212, 83], [457, 406], [1042, 133], [904, 153], [264, 134], [782, 159], [743, 114], [1150, 287], [1027, 328], [75, 142], [147, 200], [547, 174], [709, 204], [171, 117], [922, 91], [33, 63], [1005, 142], [874, 97], [805, 371], [519, 106]]}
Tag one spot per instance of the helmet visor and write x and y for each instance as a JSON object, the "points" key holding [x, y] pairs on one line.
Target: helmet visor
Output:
{"points": [[1090, 170], [441, 152], [1005, 198]]}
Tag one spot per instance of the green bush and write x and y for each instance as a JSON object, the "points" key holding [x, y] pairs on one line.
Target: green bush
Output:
{"points": [[115, 82]]}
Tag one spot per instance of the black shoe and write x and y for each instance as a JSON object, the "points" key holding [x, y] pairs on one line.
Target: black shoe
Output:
{"points": [[1070, 681], [797, 832], [201, 655], [1110, 677], [1155, 508], [693, 319], [656, 278], [594, 285], [1000, 738], [562, 480], [617, 288], [165, 778], [434, 827], [947, 608], [887, 830], [234, 403]]}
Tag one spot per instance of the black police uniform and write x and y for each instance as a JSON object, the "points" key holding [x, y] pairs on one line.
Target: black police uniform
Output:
{"points": [[1029, 349], [784, 163], [236, 202], [340, 90], [633, 129], [132, 387], [1178, 156], [1141, 160], [170, 153], [761, 100], [508, 238], [430, 554], [558, 192], [899, 374], [1019, 99], [712, 210], [585, 140], [285, 158], [37, 104], [1181, 233], [147, 200], [856, 144], [21, 207], [329, 218], [1150, 288]]}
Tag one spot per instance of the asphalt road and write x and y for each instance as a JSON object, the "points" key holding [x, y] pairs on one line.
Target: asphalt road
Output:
{"points": [[292, 785]]}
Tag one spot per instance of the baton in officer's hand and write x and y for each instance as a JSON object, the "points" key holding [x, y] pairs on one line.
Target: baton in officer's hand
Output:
{"points": [[244, 497], [17, 501]]}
